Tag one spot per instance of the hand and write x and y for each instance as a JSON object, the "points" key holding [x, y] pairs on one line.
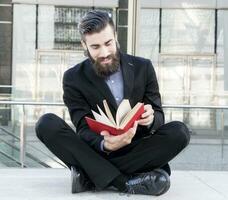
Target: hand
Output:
{"points": [[148, 116], [113, 143]]}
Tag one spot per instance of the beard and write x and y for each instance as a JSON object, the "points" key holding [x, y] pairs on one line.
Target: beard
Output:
{"points": [[105, 70]]}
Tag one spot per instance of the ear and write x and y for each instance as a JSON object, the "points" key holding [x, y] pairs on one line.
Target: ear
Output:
{"points": [[116, 37], [83, 45]]}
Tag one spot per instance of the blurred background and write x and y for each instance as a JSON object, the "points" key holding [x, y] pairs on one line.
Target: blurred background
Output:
{"points": [[186, 40]]}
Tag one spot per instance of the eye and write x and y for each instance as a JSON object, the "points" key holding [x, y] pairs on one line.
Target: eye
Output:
{"points": [[109, 43], [95, 47]]}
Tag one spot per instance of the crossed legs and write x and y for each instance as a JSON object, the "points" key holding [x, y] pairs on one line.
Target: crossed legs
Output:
{"points": [[145, 154]]}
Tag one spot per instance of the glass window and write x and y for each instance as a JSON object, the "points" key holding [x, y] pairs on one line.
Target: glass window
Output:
{"points": [[186, 59], [66, 35], [58, 26], [149, 34], [222, 62], [66, 27], [187, 31]]}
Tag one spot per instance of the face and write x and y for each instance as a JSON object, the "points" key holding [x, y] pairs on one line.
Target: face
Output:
{"points": [[102, 50]]}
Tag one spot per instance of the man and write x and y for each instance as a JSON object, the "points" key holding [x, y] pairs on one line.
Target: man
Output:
{"points": [[135, 162]]}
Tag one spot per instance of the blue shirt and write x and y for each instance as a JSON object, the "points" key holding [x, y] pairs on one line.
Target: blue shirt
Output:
{"points": [[115, 84]]}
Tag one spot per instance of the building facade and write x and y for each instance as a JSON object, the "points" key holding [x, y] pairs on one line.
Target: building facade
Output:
{"points": [[186, 40]]}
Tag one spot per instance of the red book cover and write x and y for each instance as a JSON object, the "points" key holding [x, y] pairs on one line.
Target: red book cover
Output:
{"points": [[98, 126]]}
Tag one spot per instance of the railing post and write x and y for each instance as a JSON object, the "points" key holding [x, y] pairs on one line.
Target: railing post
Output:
{"points": [[171, 115], [222, 131], [22, 138]]}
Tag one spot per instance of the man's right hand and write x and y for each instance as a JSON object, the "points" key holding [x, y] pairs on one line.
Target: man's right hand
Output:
{"points": [[113, 143]]}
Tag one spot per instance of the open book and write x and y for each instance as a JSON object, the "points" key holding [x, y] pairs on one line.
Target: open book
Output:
{"points": [[124, 119]]}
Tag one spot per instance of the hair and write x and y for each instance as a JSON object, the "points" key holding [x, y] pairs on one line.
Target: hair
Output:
{"points": [[94, 22]]}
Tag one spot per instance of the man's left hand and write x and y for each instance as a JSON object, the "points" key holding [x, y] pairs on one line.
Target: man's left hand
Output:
{"points": [[147, 117]]}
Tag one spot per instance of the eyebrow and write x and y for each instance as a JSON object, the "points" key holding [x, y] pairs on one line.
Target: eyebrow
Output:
{"points": [[108, 41], [97, 45]]}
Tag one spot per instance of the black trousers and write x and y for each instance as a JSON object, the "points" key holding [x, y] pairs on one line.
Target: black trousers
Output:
{"points": [[144, 154]]}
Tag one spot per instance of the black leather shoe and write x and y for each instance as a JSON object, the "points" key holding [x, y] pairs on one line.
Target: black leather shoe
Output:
{"points": [[79, 182], [156, 182]]}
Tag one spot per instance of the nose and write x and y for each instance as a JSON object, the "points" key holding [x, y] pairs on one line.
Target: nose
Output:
{"points": [[104, 52]]}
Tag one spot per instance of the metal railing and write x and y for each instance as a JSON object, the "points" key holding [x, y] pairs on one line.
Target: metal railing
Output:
{"points": [[31, 103], [29, 155], [23, 123]]}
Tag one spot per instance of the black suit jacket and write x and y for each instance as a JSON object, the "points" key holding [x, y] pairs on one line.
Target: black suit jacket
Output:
{"points": [[84, 90]]}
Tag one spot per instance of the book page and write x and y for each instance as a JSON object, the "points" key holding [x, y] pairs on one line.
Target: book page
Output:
{"points": [[105, 116], [108, 112], [130, 114], [102, 119], [122, 110]]}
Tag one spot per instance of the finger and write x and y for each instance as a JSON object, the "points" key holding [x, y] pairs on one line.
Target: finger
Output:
{"points": [[132, 130], [146, 121], [143, 121], [135, 124], [104, 133], [148, 107], [144, 124], [147, 113]]}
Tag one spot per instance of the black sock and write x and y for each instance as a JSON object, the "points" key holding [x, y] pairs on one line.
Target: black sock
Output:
{"points": [[119, 182]]}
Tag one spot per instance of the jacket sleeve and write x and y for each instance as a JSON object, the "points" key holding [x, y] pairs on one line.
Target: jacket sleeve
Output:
{"points": [[78, 109], [153, 97]]}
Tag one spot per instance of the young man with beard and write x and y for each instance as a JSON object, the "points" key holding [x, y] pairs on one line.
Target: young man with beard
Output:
{"points": [[135, 162]]}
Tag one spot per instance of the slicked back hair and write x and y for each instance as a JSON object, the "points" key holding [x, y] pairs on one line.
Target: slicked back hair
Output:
{"points": [[94, 22]]}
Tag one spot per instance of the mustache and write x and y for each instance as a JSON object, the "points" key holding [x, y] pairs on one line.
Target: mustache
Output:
{"points": [[103, 58]]}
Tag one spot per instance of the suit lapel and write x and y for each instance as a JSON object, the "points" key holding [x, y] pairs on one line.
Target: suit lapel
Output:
{"points": [[128, 75], [100, 84]]}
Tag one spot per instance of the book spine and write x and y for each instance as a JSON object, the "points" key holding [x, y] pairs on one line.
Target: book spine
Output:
{"points": [[97, 127]]}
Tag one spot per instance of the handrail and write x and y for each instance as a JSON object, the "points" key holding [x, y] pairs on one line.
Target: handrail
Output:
{"points": [[195, 106], [26, 103], [31, 103], [11, 158], [41, 103], [33, 147], [27, 154], [6, 86], [23, 122]]}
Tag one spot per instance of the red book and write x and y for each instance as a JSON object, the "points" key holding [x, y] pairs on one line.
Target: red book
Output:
{"points": [[124, 120]]}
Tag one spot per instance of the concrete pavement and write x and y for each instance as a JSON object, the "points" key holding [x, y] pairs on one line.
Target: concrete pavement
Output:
{"points": [[54, 184]]}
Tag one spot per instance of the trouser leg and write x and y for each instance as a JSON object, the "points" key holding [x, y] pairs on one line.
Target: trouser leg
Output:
{"points": [[154, 151], [61, 140]]}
